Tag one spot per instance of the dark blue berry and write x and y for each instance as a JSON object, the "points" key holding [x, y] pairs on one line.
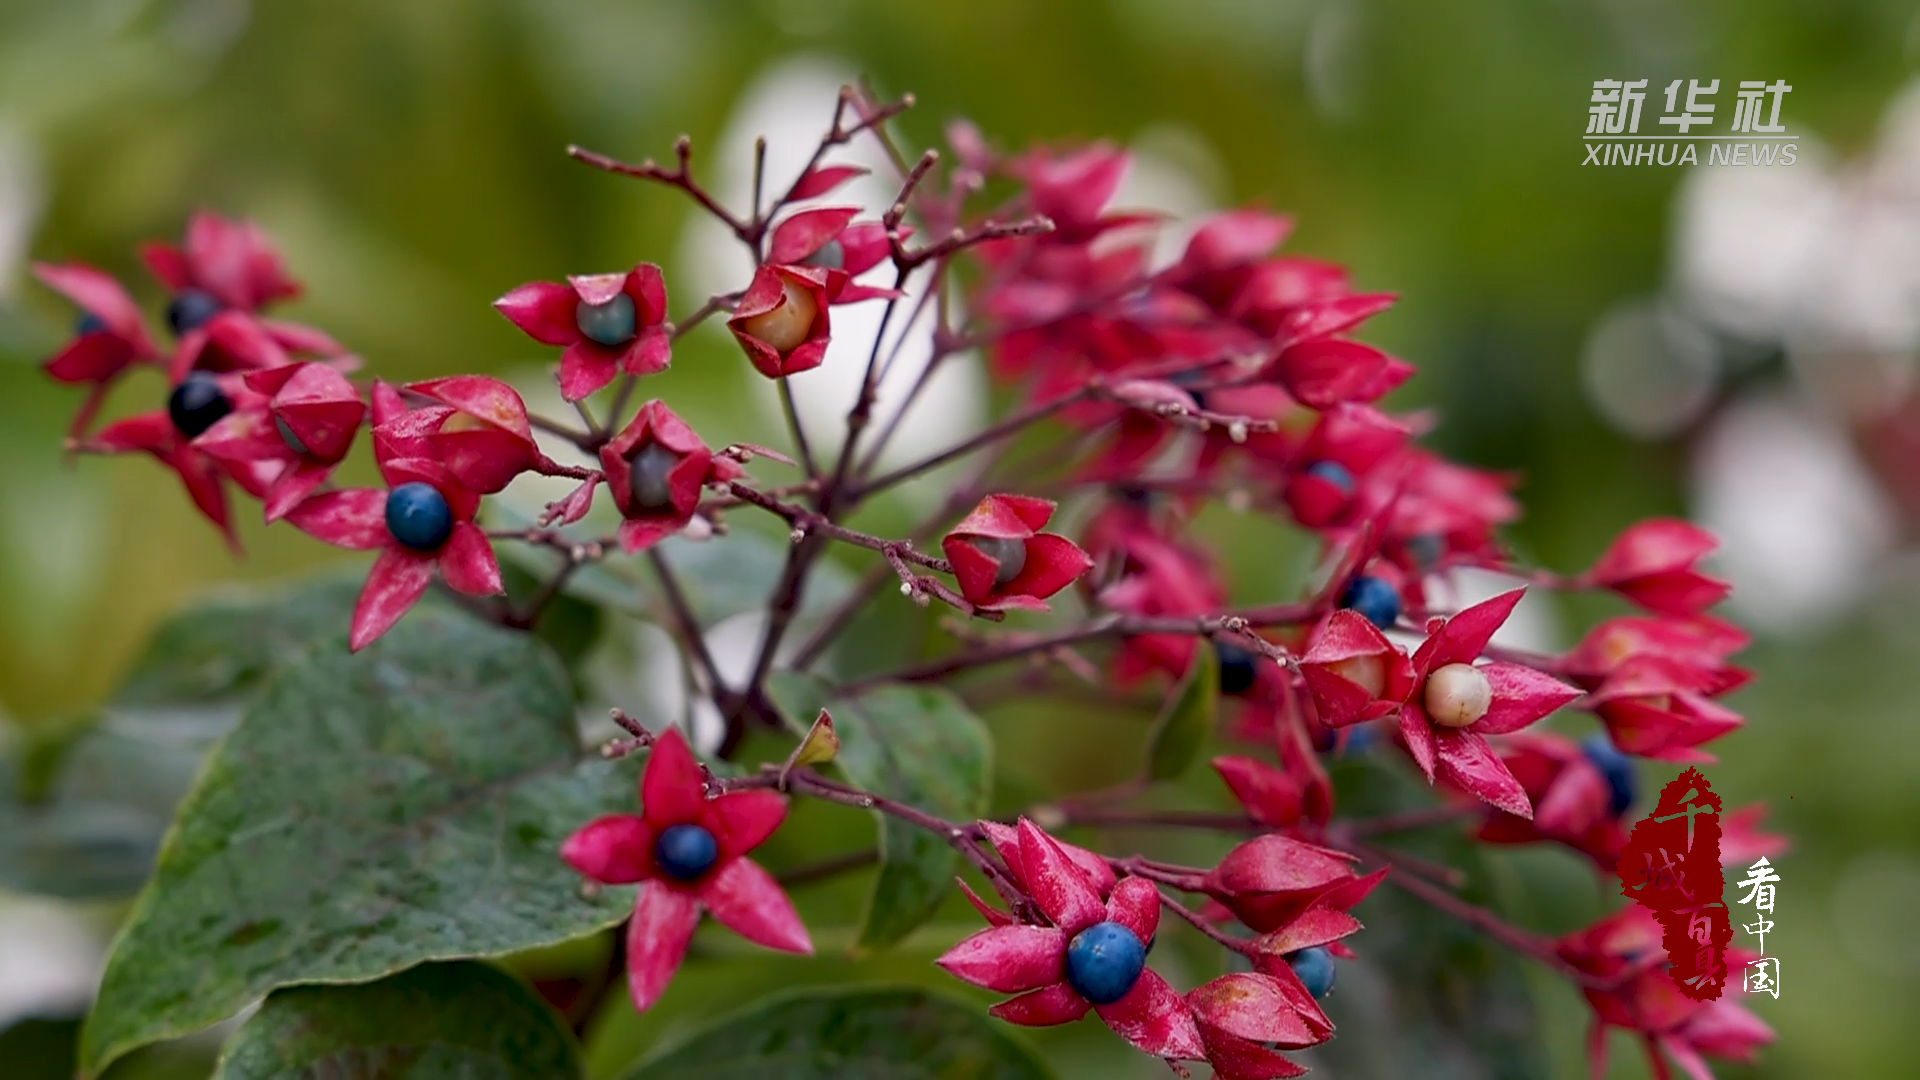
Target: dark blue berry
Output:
{"points": [[1374, 598], [1425, 550], [1332, 472], [197, 404], [831, 256], [647, 477], [1104, 961], [684, 852], [1622, 782], [1315, 968], [1236, 668], [609, 323], [1009, 555], [418, 516], [190, 310], [89, 323]]}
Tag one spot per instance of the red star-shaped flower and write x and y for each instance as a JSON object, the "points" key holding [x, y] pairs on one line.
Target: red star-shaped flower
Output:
{"points": [[1447, 703], [1002, 560], [688, 852], [1269, 881], [609, 323], [828, 238], [1653, 564], [655, 468], [1054, 968], [303, 425], [111, 336], [781, 320]]}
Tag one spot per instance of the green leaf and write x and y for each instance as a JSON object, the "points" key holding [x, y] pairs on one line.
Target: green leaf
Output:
{"points": [[370, 812], [879, 1033], [91, 811], [435, 1021], [917, 745], [1187, 721]]}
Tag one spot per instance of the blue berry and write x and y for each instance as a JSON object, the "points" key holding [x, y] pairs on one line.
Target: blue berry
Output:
{"points": [[89, 323], [830, 256], [610, 323], [418, 516], [1010, 555], [1616, 767], [1374, 598], [190, 310], [1104, 961], [1236, 669], [647, 477], [197, 404], [1315, 968], [1334, 473], [684, 852]]}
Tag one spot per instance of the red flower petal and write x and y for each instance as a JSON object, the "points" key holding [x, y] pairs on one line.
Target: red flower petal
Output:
{"points": [[98, 294], [1045, 1007], [1250, 1006], [672, 789], [1009, 959], [393, 585], [1326, 372], [584, 368], [1053, 563], [650, 353], [1135, 904], [1056, 885], [1652, 547], [1275, 863], [1465, 636], [479, 396], [544, 310], [807, 232], [663, 922], [467, 562], [1315, 926], [993, 915], [1271, 796], [1417, 731], [613, 850], [1464, 758], [167, 263], [818, 181], [355, 519], [1238, 1059], [1521, 696], [743, 820], [295, 485], [746, 900], [1155, 1019]]}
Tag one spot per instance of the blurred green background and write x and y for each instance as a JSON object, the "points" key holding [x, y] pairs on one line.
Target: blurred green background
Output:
{"points": [[408, 158]]}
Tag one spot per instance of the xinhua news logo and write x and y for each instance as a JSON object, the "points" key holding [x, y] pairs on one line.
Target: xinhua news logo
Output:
{"points": [[1755, 137]]}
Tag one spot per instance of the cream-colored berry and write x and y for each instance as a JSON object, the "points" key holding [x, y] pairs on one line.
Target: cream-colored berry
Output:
{"points": [[1369, 673], [785, 327], [1457, 695]]}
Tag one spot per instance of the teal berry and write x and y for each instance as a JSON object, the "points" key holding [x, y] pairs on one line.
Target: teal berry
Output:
{"points": [[89, 323], [1236, 668], [647, 477], [609, 323], [1009, 556], [190, 310], [1622, 782], [831, 256], [418, 516], [1334, 473], [1425, 550], [287, 436], [684, 852], [197, 404], [1373, 598], [1104, 961], [1314, 966]]}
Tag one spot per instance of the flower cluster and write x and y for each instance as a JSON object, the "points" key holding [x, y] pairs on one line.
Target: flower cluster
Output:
{"points": [[1232, 374]]}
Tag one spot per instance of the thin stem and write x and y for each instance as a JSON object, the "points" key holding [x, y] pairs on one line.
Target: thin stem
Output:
{"points": [[688, 626], [1403, 821], [1154, 819], [1199, 922], [1521, 941], [680, 176], [1012, 425], [799, 433], [581, 439]]}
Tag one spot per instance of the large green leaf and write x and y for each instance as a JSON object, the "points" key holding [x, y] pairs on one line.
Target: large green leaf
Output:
{"points": [[87, 821], [879, 1033], [915, 744], [1187, 721], [369, 812], [461, 1020]]}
